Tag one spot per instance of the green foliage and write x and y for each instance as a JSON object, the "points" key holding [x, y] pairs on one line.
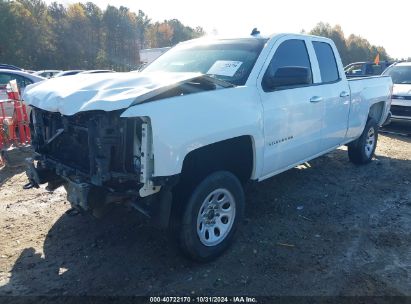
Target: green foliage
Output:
{"points": [[81, 36], [351, 49]]}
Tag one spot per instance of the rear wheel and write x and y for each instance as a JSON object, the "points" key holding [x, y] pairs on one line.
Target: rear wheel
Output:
{"points": [[362, 150], [211, 216]]}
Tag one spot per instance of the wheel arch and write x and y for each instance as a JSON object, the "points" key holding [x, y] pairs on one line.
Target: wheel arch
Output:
{"points": [[236, 155], [376, 112]]}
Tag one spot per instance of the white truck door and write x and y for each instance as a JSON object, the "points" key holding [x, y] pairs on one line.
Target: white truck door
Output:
{"points": [[293, 109], [336, 95]]}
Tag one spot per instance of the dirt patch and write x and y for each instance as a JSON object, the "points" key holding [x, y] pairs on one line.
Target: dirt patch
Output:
{"points": [[327, 228]]}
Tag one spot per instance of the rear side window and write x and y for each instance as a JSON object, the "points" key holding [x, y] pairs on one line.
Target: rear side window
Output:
{"points": [[5, 78], [377, 69], [326, 60], [22, 81], [290, 53]]}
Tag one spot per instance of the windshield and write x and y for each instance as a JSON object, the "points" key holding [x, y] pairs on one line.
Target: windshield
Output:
{"points": [[227, 60], [399, 74]]}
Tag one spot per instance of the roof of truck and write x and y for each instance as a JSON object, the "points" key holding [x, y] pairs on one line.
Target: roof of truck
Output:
{"points": [[256, 37]]}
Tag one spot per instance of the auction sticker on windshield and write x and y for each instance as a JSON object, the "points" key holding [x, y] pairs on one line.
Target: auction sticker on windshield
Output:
{"points": [[224, 68]]}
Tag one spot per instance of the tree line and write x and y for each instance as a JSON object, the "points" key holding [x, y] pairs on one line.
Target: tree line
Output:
{"points": [[35, 35], [351, 49]]}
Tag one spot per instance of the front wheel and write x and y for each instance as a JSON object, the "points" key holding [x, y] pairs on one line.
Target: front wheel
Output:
{"points": [[362, 150], [211, 216]]}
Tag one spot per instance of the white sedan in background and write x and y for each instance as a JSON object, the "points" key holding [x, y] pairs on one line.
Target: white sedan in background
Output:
{"points": [[68, 73], [47, 73], [97, 71]]}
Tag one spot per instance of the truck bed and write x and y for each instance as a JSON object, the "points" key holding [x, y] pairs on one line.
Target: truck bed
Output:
{"points": [[366, 92]]}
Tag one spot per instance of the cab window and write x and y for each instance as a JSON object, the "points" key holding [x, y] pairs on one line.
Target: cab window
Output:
{"points": [[326, 61], [291, 61]]}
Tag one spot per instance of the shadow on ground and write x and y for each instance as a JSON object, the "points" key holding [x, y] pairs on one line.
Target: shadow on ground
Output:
{"points": [[14, 163], [398, 130], [327, 228]]}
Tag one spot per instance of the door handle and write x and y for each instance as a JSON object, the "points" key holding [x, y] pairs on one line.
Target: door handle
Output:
{"points": [[344, 94], [316, 99]]}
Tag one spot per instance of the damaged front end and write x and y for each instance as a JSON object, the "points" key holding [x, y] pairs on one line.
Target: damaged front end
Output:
{"points": [[99, 158]]}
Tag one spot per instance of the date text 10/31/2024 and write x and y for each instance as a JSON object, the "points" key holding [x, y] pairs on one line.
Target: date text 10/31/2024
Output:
{"points": [[200, 299]]}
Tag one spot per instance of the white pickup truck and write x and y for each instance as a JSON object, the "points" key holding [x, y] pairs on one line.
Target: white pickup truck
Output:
{"points": [[179, 140]]}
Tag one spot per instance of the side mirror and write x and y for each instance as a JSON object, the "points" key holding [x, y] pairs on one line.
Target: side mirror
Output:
{"points": [[288, 76]]}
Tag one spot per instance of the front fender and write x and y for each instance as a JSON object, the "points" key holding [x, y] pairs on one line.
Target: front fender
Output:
{"points": [[184, 123]]}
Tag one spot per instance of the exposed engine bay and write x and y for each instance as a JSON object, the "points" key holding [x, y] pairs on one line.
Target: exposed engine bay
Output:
{"points": [[97, 156]]}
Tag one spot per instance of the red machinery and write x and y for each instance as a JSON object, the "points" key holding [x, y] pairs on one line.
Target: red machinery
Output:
{"points": [[14, 130]]}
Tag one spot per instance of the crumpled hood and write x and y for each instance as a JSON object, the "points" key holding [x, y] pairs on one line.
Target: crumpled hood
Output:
{"points": [[106, 91], [402, 89]]}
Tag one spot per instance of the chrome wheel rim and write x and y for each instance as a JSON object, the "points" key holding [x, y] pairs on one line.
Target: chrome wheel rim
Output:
{"points": [[370, 142], [216, 217]]}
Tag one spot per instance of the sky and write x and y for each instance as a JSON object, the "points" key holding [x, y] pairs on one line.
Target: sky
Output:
{"points": [[385, 25]]}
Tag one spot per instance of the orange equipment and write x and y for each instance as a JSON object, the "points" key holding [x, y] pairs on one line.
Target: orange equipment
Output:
{"points": [[14, 130]]}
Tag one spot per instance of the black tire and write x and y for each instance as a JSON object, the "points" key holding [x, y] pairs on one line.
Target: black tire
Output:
{"points": [[360, 151], [216, 184]]}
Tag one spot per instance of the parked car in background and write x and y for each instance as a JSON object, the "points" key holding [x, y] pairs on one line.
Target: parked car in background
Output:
{"points": [[365, 69], [68, 73], [47, 73], [10, 67], [147, 56], [401, 95], [3, 94], [23, 80], [96, 71]]}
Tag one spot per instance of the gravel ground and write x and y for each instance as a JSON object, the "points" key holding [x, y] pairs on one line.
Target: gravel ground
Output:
{"points": [[325, 228]]}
